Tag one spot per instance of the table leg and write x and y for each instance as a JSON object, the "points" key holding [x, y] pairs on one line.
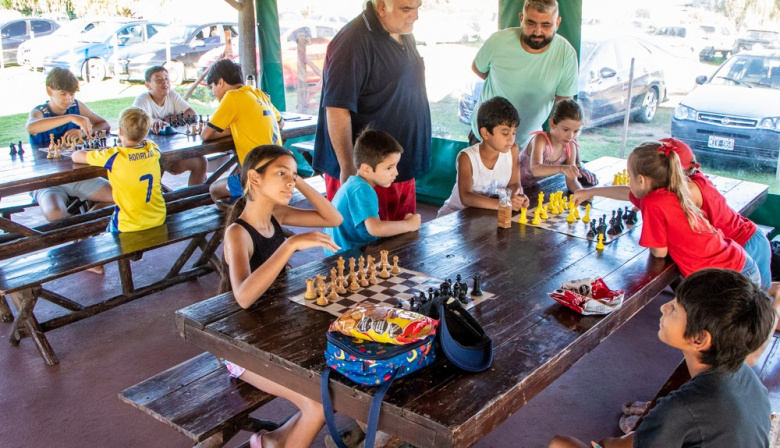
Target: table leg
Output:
{"points": [[25, 301], [14, 227], [126, 276], [185, 255], [222, 170], [5, 311]]}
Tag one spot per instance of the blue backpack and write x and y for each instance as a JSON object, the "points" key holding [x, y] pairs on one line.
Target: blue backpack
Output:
{"points": [[371, 364]]}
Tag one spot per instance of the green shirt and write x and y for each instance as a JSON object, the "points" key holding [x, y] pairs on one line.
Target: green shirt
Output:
{"points": [[529, 81]]}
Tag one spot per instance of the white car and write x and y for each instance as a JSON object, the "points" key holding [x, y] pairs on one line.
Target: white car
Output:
{"points": [[30, 54]]}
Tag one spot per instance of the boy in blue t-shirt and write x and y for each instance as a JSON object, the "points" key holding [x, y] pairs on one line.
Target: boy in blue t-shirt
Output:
{"points": [[66, 119], [376, 155], [718, 318]]}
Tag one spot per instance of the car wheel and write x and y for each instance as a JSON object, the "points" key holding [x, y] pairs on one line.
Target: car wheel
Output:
{"points": [[93, 70], [175, 72], [648, 108]]}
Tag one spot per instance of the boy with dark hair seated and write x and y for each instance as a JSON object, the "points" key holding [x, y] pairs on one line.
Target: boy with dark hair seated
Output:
{"points": [[65, 118], [717, 319], [243, 112], [376, 157]]}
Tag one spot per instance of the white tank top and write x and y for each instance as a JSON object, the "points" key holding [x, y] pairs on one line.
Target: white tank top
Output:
{"points": [[483, 180]]}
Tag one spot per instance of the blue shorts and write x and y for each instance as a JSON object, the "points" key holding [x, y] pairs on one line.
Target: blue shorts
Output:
{"points": [[234, 187], [750, 270], [761, 252]]}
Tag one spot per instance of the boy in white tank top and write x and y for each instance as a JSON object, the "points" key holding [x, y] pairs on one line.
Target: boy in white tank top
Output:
{"points": [[492, 164]]}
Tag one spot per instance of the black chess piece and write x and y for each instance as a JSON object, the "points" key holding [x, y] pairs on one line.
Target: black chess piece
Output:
{"points": [[430, 293], [456, 290], [412, 305], [445, 288], [592, 230], [632, 218], [602, 227], [200, 118], [13, 149], [619, 216], [625, 214], [476, 290], [463, 298], [19, 148]]}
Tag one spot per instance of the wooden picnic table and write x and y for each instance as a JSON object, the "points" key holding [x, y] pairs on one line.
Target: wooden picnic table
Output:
{"points": [[535, 339], [32, 171]]}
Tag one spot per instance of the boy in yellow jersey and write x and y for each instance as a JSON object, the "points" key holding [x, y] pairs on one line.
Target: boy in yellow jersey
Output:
{"points": [[134, 173], [245, 113]]}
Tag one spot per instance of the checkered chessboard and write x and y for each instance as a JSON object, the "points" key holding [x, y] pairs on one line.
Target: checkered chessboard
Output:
{"points": [[599, 207], [386, 291]]}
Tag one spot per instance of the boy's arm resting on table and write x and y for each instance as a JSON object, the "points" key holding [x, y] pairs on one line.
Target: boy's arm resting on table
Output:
{"points": [[378, 228], [98, 123], [37, 123], [211, 133], [323, 215], [79, 156], [468, 197]]}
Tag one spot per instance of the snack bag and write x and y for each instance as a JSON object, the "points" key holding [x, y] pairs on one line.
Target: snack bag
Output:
{"points": [[588, 296], [385, 324]]}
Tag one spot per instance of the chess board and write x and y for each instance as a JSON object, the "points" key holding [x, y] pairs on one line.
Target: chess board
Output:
{"points": [[386, 292], [579, 229]]}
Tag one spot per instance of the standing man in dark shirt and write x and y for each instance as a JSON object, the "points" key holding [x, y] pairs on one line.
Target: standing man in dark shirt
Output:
{"points": [[374, 76]]}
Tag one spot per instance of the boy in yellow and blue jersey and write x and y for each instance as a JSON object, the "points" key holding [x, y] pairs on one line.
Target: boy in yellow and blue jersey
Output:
{"points": [[244, 112], [134, 173]]}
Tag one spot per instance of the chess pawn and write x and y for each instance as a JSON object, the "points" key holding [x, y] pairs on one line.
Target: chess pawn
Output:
{"points": [[523, 215], [372, 275], [543, 212], [56, 152], [570, 219], [586, 218], [49, 155], [537, 217], [310, 294], [334, 285], [361, 274], [600, 244], [576, 212], [396, 270]]}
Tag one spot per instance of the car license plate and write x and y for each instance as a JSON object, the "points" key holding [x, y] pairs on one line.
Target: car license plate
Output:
{"points": [[716, 142]]}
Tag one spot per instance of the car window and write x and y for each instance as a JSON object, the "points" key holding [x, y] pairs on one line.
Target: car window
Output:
{"points": [[604, 57], [209, 34], [174, 33], [15, 29], [628, 49], [325, 31], [750, 71], [131, 34], [151, 30], [294, 34], [233, 31], [40, 26]]}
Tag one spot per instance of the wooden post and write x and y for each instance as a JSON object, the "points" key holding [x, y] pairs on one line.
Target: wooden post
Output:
{"points": [[302, 87]]}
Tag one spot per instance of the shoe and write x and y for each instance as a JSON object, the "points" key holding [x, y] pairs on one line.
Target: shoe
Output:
{"points": [[256, 441], [635, 407], [628, 423]]}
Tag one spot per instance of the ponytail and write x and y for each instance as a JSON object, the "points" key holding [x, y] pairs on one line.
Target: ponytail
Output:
{"points": [[662, 167], [235, 211]]}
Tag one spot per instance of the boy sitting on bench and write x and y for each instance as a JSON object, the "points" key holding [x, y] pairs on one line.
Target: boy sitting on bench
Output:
{"points": [[717, 319], [134, 174]]}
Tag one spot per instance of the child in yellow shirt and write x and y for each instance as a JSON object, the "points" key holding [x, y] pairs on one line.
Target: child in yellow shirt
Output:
{"points": [[134, 173]]}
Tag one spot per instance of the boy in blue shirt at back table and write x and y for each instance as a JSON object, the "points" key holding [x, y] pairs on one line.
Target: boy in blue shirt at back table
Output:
{"points": [[376, 155], [717, 319]]}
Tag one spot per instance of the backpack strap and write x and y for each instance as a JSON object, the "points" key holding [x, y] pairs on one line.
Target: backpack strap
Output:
{"points": [[373, 413]]}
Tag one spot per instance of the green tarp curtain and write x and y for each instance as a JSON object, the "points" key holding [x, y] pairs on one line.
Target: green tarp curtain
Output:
{"points": [[570, 12], [268, 36]]}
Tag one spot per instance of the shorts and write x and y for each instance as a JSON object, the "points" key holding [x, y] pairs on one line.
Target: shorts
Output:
{"points": [[234, 187], [82, 189], [750, 270], [759, 249]]}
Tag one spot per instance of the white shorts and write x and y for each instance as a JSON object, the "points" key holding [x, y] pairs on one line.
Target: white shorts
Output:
{"points": [[82, 189]]}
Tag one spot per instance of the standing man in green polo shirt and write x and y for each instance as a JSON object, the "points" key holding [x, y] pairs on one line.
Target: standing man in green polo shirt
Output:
{"points": [[532, 67]]}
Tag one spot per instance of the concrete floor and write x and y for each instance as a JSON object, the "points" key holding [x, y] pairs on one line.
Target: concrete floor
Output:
{"points": [[75, 404]]}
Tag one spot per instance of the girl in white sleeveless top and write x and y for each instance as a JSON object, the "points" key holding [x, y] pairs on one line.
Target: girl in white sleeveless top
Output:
{"points": [[489, 165]]}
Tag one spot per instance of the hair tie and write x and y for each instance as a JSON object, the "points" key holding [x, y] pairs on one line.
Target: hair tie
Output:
{"points": [[667, 148]]}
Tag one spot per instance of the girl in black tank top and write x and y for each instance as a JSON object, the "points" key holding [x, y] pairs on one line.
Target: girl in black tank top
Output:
{"points": [[252, 261]]}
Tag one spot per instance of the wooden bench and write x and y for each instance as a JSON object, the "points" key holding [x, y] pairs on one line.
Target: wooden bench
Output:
{"points": [[199, 399], [22, 277]]}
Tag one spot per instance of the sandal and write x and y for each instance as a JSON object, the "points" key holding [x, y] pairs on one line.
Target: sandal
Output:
{"points": [[628, 423], [635, 407], [256, 441]]}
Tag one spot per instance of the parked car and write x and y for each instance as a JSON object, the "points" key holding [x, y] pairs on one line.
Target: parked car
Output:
{"points": [[319, 35], [178, 48], [89, 56], [603, 82], [30, 54], [735, 114], [757, 40], [17, 31]]}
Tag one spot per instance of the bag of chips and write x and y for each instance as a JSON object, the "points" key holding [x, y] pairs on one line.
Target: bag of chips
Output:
{"points": [[384, 324]]}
